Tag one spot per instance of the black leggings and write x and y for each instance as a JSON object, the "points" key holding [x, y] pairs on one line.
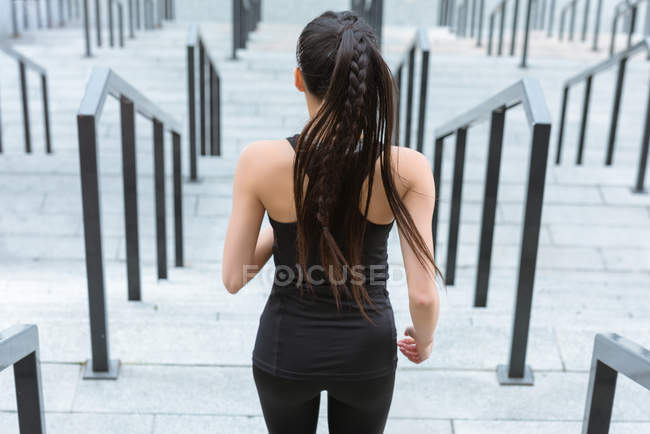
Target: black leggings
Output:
{"points": [[354, 407]]}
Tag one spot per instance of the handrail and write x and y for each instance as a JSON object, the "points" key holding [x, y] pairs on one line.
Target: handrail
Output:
{"points": [[195, 43], [528, 93], [25, 63], [587, 75], [622, 8], [246, 14], [19, 348], [420, 42], [612, 355], [102, 83], [372, 11]]}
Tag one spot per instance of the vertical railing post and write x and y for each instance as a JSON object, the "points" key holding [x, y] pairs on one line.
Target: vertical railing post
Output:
{"points": [[437, 179], [456, 201], [524, 51], [517, 372], [398, 105], [585, 21], [599, 9], [489, 207], [39, 15], [236, 26], [87, 28], [572, 22], [131, 23], [14, 19], [616, 107], [551, 18], [472, 21], [110, 23], [600, 398], [25, 99], [217, 120], [100, 366], [481, 11], [202, 116], [138, 18], [502, 25], [515, 18], [639, 186], [159, 183], [48, 13], [46, 114], [490, 34], [409, 97], [120, 21], [178, 199], [27, 378], [61, 16], [191, 98], [632, 28], [583, 121], [98, 22], [129, 179], [424, 76], [560, 134], [562, 19], [214, 114]]}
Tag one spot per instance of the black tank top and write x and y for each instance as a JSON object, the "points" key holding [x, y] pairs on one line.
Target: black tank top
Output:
{"points": [[302, 334]]}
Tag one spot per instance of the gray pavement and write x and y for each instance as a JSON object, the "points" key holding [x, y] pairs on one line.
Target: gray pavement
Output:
{"points": [[186, 347]]}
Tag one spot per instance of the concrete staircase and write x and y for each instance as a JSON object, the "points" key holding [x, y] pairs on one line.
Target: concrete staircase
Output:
{"points": [[186, 348]]}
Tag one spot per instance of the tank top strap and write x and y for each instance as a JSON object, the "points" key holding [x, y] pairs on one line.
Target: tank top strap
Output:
{"points": [[293, 141]]}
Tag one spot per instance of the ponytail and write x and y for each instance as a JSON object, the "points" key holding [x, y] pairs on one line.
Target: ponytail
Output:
{"points": [[338, 149]]}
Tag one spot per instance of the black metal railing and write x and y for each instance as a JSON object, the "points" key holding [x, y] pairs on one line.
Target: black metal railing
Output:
{"points": [[420, 43], [459, 27], [629, 9], [569, 7], [612, 355], [445, 12], [246, 14], [19, 348], [500, 10], [528, 93], [373, 12], [66, 11], [102, 83], [137, 13], [25, 64], [587, 76], [199, 60], [538, 14]]}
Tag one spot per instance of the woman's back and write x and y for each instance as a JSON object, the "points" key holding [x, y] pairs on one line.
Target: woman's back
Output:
{"points": [[303, 333]]}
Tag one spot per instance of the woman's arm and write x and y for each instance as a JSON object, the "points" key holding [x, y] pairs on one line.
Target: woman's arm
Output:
{"points": [[424, 303], [246, 249]]}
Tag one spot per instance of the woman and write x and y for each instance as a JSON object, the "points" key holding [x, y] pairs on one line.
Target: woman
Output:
{"points": [[331, 194]]}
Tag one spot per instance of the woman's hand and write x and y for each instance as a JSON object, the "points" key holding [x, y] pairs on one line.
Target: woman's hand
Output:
{"points": [[415, 350]]}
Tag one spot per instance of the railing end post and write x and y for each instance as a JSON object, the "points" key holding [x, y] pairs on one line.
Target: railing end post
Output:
{"points": [[504, 378], [111, 374]]}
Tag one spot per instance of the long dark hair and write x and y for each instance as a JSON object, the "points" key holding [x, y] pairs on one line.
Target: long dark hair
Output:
{"points": [[338, 148]]}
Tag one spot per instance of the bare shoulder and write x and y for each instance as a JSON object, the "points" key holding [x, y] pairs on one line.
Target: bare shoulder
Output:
{"points": [[264, 156], [411, 167]]}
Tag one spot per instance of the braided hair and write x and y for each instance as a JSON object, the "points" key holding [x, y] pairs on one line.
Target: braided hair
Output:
{"points": [[338, 148]]}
